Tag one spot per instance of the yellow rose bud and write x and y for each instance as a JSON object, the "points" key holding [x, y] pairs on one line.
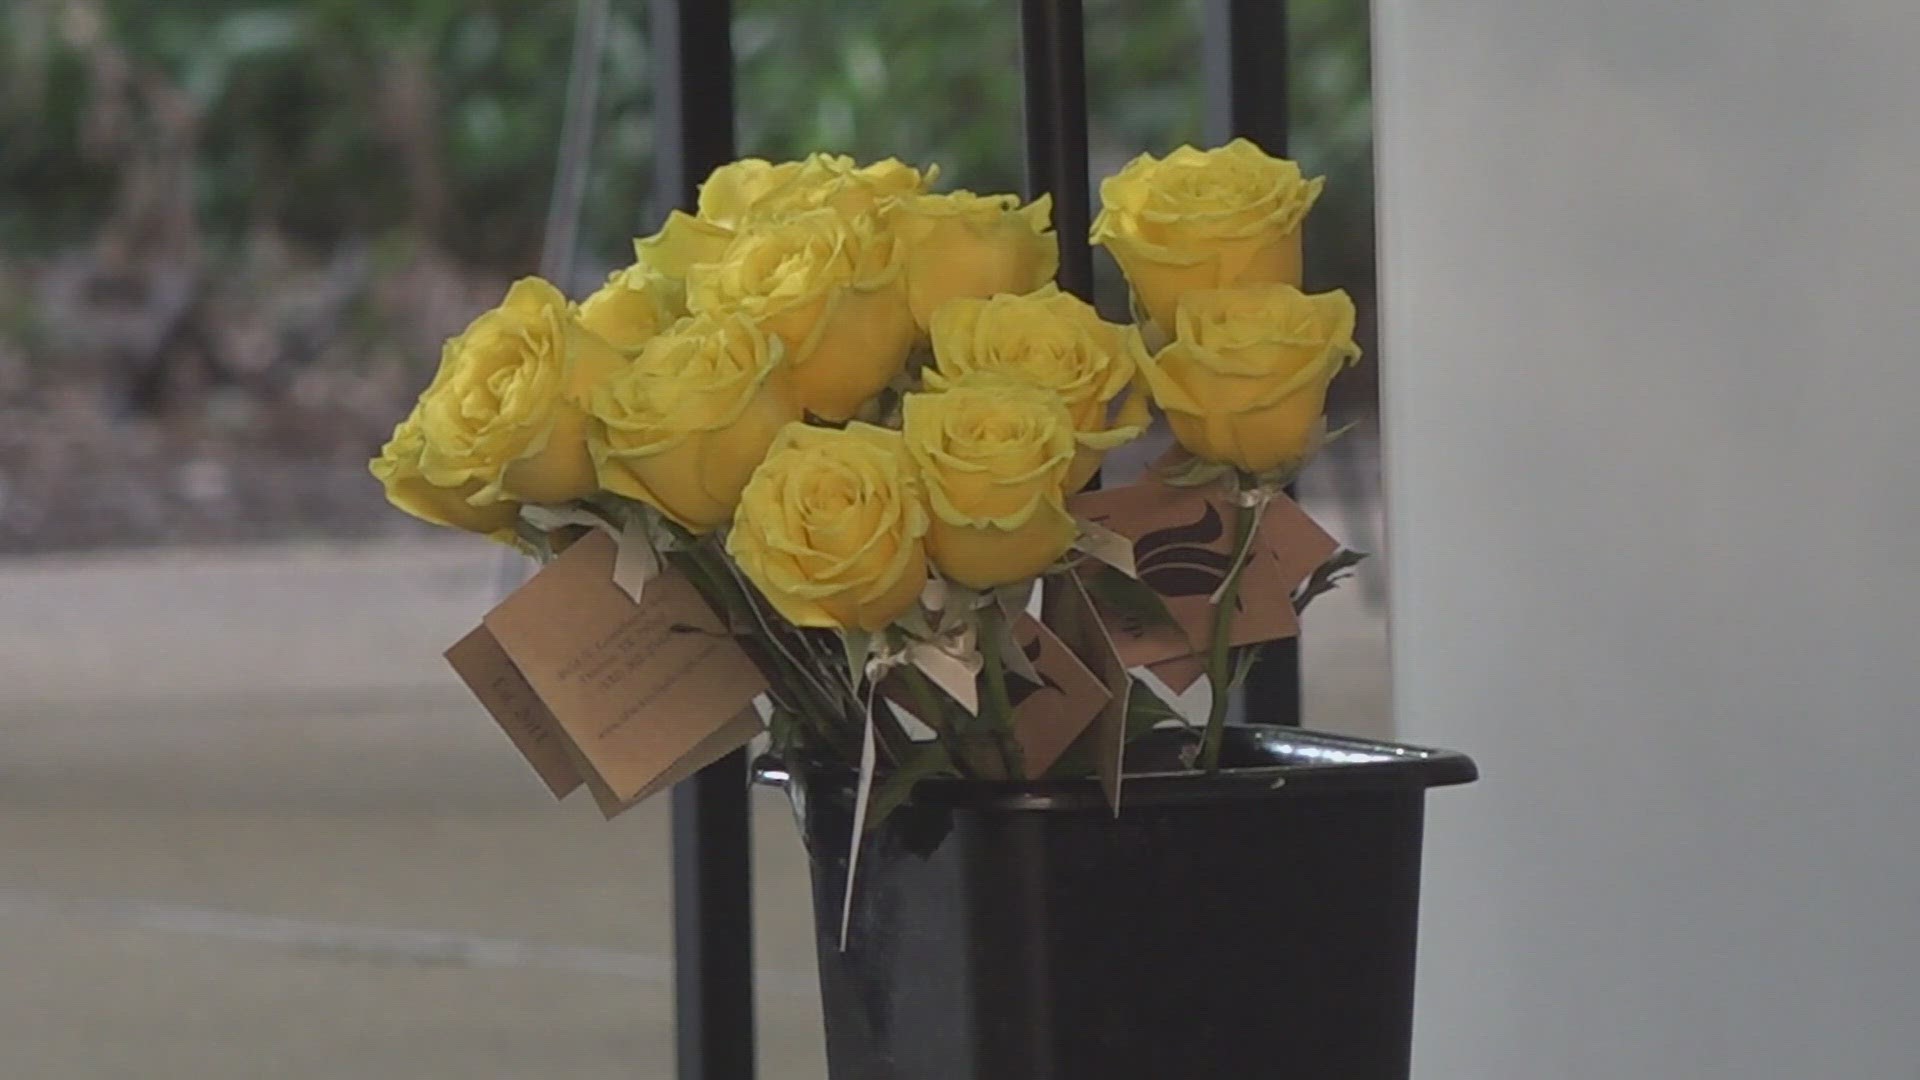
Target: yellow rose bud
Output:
{"points": [[967, 245], [684, 425], [1204, 220], [505, 409], [993, 453], [831, 527], [629, 309], [831, 289], [1245, 379], [398, 470], [1056, 341]]}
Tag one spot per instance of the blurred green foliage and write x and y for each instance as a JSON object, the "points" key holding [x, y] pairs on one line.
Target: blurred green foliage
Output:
{"points": [[438, 119]]}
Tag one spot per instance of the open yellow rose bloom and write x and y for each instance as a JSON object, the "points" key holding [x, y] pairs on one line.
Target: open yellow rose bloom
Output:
{"points": [[1055, 341], [832, 288], [1204, 220], [503, 420], [685, 424], [832, 527], [849, 384], [967, 245], [994, 452], [1245, 379]]}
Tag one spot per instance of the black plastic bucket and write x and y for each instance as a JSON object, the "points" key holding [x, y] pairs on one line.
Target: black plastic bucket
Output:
{"points": [[1255, 923]]}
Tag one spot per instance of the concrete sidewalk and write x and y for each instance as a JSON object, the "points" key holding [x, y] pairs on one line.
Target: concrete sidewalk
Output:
{"points": [[250, 826]]}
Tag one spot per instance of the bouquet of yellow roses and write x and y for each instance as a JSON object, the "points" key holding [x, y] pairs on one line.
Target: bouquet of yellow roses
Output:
{"points": [[816, 461]]}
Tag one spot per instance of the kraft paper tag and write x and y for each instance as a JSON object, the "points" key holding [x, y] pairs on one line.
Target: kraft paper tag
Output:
{"points": [[1295, 545], [1048, 715], [1183, 547], [737, 733], [1070, 611], [489, 672], [639, 689], [1180, 672], [1293, 542]]}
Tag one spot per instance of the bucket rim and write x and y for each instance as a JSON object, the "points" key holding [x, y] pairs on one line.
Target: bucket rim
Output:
{"points": [[1304, 763]]}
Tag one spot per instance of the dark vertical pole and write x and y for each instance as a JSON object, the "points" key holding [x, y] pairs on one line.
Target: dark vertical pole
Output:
{"points": [[1245, 57], [712, 901], [1053, 56], [1244, 53]]}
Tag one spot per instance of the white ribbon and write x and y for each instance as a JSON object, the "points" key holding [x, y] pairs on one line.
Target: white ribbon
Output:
{"points": [[1253, 500], [1106, 545], [863, 795], [951, 658], [635, 562]]}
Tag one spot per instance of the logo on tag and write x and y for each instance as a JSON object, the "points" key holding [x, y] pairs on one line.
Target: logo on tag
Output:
{"points": [[1181, 561]]}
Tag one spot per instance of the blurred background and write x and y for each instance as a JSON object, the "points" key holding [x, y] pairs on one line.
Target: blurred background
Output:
{"points": [[234, 232], [249, 823]]}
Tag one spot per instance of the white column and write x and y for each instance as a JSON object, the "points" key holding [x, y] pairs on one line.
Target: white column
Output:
{"points": [[1651, 275]]}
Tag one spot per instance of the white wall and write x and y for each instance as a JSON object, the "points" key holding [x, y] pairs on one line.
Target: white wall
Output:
{"points": [[1651, 277]]}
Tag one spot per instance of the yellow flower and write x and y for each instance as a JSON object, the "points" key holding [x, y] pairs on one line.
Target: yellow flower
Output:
{"points": [[633, 306], [728, 195], [398, 470], [993, 452], [967, 245], [1204, 220], [829, 181], [1245, 379], [752, 192], [505, 409], [684, 425], [831, 289], [670, 254], [831, 527], [1054, 340]]}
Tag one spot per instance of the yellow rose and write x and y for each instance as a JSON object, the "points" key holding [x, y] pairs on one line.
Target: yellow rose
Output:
{"points": [[967, 245], [1054, 340], [832, 525], [831, 289], [1245, 379], [753, 192], [682, 243], [684, 425], [505, 409], [993, 453], [1204, 220], [398, 470], [831, 181], [629, 309], [728, 195]]}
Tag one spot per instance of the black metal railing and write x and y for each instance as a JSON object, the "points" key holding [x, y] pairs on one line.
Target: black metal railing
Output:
{"points": [[1053, 58], [1245, 63], [712, 841]]}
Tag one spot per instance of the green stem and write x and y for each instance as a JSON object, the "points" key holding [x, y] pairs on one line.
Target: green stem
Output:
{"points": [[934, 713], [725, 595], [999, 704], [1219, 653]]}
